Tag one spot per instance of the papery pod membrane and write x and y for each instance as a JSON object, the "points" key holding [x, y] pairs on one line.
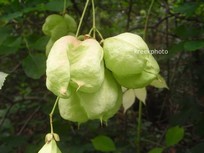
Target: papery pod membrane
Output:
{"points": [[59, 31], [71, 108], [49, 46], [58, 66], [71, 23], [50, 147], [51, 22], [125, 54], [104, 100], [112, 111], [87, 67], [143, 79]]}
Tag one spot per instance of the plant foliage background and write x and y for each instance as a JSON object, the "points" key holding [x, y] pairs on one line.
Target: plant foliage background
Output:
{"points": [[174, 25]]}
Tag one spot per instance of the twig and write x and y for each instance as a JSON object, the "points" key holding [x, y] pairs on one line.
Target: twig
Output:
{"points": [[82, 17], [28, 119]]}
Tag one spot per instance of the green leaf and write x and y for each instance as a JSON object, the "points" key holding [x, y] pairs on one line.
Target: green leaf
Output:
{"points": [[34, 65], [10, 46], [156, 150], [188, 31], [2, 78], [128, 99], [103, 143], [141, 94], [159, 82], [40, 44], [174, 135], [197, 148], [187, 8], [175, 48], [193, 45]]}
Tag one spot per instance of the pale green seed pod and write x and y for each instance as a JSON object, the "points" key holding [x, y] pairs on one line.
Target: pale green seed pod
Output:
{"points": [[104, 100], [87, 67], [51, 22], [49, 46], [71, 23], [125, 54], [57, 26], [58, 66], [50, 147], [143, 79], [112, 111], [59, 30], [103, 104], [71, 108]]}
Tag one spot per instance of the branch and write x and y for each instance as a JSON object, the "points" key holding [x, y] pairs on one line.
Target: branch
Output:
{"points": [[28, 120], [129, 15]]}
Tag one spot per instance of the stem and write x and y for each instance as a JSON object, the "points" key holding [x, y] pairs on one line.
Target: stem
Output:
{"points": [[139, 127], [51, 114], [65, 5], [94, 19], [82, 17], [100, 35], [147, 19]]}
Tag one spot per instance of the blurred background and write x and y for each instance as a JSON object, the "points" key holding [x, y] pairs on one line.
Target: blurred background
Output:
{"points": [[25, 102]]}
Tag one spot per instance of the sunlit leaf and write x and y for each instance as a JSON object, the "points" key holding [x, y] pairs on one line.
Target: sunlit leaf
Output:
{"points": [[128, 99], [159, 82], [103, 143], [141, 94], [2, 78], [174, 135]]}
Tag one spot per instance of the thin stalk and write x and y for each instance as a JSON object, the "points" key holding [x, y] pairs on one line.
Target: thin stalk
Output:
{"points": [[100, 35], [51, 114], [94, 19], [82, 17], [147, 19], [139, 121], [65, 6]]}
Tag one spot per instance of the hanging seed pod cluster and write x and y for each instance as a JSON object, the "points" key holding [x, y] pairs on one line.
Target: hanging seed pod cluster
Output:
{"points": [[88, 76]]}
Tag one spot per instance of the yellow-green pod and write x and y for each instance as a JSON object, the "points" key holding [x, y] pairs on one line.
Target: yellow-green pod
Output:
{"points": [[102, 101], [87, 67], [125, 54], [143, 79], [71, 23], [58, 66], [71, 108], [51, 22]]}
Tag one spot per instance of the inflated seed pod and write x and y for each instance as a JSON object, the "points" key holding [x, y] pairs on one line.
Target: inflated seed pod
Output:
{"points": [[51, 22], [58, 66], [125, 54], [57, 26], [50, 147], [143, 79], [104, 100], [49, 46], [87, 67], [103, 104], [59, 30], [71, 108], [71, 23], [112, 111]]}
